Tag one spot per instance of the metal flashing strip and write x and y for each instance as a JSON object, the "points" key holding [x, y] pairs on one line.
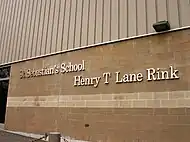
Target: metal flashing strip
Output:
{"points": [[93, 45], [4, 79]]}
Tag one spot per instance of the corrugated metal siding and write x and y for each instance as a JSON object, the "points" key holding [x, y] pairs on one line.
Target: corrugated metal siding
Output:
{"points": [[30, 28]]}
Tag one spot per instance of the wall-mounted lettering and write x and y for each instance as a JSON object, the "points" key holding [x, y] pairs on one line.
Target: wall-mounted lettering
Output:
{"points": [[150, 74], [56, 69]]}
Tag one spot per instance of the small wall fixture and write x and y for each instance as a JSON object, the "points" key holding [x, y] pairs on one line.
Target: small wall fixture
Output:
{"points": [[86, 125], [161, 26]]}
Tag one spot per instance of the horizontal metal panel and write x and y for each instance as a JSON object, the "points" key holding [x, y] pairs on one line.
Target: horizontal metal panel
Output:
{"points": [[30, 28]]}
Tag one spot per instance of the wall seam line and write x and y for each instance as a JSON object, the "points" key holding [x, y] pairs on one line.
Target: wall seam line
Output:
{"points": [[146, 14], [95, 26], [102, 20], [156, 10], [24, 47], [118, 37], [19, 27], [37, 38], [80, 40], [34, 26], [11, 30], [14, 30], [3, 2], [88, 23], [2, 28], [137, 29], [52, 25], [47, 27], [69, 25], [58, 24], [75, 24], [127, 18], [5, 32], [167, 10], [27, 47], [45, 6], [8, 32], [179, 13], [63, 29], [22, 31], [110, 16]]}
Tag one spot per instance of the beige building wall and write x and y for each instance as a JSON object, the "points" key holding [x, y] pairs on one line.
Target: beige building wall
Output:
{"points": [[30, 28], [144, 111]]}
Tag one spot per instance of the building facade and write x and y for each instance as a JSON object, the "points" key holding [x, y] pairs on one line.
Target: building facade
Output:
{"points": [[96, 69], [31, 28]]}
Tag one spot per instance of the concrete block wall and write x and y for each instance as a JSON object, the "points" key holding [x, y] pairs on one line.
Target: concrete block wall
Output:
{"points": [[147, 110], [174, 99]]}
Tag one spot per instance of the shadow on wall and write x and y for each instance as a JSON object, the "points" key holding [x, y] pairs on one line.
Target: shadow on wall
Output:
{"points": [[3, 99]]}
